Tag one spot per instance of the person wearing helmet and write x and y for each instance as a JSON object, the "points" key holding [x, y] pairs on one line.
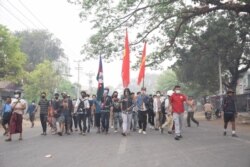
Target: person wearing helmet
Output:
{"points": [[18, 106], [169, 117]]}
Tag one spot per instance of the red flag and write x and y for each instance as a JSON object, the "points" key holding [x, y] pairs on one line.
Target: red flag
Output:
{"points": [[125, 63], [142, 67]]}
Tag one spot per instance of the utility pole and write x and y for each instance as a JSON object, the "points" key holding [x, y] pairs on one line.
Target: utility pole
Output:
{"points": [[78, 68], [90, 75], [220, 79]]}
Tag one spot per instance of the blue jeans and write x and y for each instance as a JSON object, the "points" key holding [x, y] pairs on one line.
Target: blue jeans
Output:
{"points": [[117, 119], [134, 120], [105, 121]]}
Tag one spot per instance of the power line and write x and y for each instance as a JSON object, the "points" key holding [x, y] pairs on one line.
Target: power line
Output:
{"points": [[22, 14], [14, 16], [31, 13]]}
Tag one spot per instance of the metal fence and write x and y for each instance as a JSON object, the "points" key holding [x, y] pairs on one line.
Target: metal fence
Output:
{"points": [[242, 102]]}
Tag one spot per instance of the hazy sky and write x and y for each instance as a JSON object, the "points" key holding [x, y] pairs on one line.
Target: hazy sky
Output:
{"points": [[62, 20]]}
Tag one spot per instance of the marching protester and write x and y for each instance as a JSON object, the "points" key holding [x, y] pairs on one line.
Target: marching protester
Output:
{"points": [[168, 112], [134, 122], [157, 110], [116, 105], [44, 106], [127, 106], [67, 109], [106, 103], [230, 112], [177, 102], [150, 111], [74, 117], [18, 106], [190, 111], [142, 104], [6, 114], [82, 106], [97, 110], [32, 111], [55, 104]]}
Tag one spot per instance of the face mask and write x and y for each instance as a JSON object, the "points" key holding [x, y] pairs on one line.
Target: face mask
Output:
{"points": [[178, 91], [33, 103], [158, 94], [56, 97], [16, 95]]}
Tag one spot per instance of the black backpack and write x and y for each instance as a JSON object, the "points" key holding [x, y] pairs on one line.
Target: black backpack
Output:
{"points": [[81, 106]]}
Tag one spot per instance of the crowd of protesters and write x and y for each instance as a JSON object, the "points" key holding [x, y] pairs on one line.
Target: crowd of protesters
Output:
{"points": [[124, 113]]}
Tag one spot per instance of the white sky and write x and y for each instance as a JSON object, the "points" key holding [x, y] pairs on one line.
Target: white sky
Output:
{"points": [[62, 20]]}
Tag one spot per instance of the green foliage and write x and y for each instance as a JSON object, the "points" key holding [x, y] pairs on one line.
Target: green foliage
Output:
{"points": [[161, 23], [39, 45], [11, 58], [225, 37], [42, 79], [167, 80], [45, 79]]}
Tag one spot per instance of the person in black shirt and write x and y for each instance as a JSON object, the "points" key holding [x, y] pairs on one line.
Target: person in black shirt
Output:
{"points": [[117, 111], [230, 112], [44, 106], [106, 103]]}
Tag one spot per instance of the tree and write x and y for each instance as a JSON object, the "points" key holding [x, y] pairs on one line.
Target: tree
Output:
{"points": [[225, 38], [39, 45], [43, 78], [11, 58], [167, 80], [160, 22]]}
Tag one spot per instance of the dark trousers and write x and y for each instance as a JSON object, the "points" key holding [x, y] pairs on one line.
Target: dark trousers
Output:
{"points": [[151, 116], [89, 118], [191, 116], [142, 115], [82, 122], [75, 122], [98, 120], [105, 121], [43, 119], [68, 121]]}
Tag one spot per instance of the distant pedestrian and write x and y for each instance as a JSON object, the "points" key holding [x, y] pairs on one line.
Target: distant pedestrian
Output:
{"points": [[230, 112], [32, 111], [191, 108], [6, 114]]}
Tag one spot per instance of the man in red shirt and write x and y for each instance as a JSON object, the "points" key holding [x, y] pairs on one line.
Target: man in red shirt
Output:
{"points": [[177, 102]]}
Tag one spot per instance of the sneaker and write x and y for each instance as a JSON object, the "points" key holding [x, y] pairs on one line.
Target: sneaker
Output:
{"points": [[224, 133], [9, 139], [161, 130], [144, 132], [123, 134], [177, 138], [169, 132], [140, 130], [234, 135], [83, 133], [59, 133], [115, 131], [180, 136]]}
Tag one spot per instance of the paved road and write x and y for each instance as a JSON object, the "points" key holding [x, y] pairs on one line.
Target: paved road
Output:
{"points": [[201, 147]]}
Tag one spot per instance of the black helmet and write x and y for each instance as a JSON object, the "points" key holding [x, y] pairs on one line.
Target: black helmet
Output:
{"points": [[56, 94]]}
